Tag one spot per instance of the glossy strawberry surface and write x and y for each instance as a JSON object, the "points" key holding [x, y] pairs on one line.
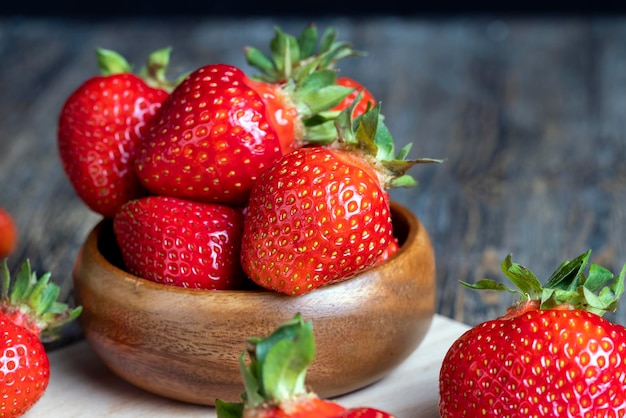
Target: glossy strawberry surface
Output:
{"points": [[24, 368], [551, 355], [181, 243], [29, 314], [317, 216], [99, 128], [557, 363], [211, 140]]}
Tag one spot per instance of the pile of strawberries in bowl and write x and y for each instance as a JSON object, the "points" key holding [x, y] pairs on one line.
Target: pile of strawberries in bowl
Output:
{"points": [[230, 203]]}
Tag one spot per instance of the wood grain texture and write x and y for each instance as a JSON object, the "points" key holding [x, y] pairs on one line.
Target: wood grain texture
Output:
{"points": [[528, 112]]}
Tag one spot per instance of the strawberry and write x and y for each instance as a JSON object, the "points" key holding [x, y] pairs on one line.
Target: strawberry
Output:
{"points": [[182, 243], [100, 125], [274, 379], [364, 412], [366, 100], [8, 233], [219, 129], [552, 354], [29, 314], [391, 249], [321, 214]]}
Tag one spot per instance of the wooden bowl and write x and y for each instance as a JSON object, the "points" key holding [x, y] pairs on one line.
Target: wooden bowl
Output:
{"points": [[185, 344]]}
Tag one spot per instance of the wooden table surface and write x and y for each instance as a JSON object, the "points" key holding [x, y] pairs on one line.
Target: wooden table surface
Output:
{"points": [[529, 113], [82, 387]]}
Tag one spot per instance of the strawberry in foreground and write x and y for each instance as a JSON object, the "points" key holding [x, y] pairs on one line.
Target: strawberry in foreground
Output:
{"points": [[274, 379], [321, 214], [219, 129], [183, 243], [100, 125], [29, 314], [8, 233], [550, 355]]}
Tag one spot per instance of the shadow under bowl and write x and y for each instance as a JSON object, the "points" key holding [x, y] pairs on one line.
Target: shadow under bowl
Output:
{"points": [[185, 344]]}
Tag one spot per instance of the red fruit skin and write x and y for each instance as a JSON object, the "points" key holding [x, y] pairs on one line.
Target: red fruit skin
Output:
{"points": [[215, 134], [542, 363], [24, 368], [181, 243], [365, 412], [99, 127], [8, 233], [366, 97], [392, 249], [305, 406], [315, 217]]}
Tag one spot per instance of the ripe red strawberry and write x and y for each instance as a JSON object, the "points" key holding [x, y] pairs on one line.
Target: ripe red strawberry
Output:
{"points": [[274, 379], [100, 125], [366, 98], [180, 242], [219, 129], [392, 248], [321, 214], [364, 413], [8, 233], [551, 355], [29, 314]]}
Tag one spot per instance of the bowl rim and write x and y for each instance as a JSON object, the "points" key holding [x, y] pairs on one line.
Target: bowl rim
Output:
{"points": [[91, 244]]}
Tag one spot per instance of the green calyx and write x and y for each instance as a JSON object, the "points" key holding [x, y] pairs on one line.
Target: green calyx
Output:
{"points": [[305, 68], [596, 291], [35, 299], [297, 58], [367, 134], [153, 73], [277, 367]]}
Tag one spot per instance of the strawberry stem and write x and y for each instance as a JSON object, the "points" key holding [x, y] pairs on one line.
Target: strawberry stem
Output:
{"points": [[277, 367], [279, 362], [36, 300], [369, 135], [153, 73], [111, 62], [304, 70], [296, 58], [597, 291]]}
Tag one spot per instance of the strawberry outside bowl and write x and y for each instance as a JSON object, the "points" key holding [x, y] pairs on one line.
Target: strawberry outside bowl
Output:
{"points": [[185, 344]]}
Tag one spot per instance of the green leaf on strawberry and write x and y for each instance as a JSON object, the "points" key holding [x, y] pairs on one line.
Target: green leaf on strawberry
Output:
{"points": [[29, 315], [551, 354], [304, 67], [369, 135], [274, 379], [278, 363], [321, 214], [153, 73], [34, 300], [598, 291], [297, 58], [220, 128]]}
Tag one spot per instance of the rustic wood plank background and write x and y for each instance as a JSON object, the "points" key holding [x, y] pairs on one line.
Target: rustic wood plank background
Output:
{"points": [[530, 114]]}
